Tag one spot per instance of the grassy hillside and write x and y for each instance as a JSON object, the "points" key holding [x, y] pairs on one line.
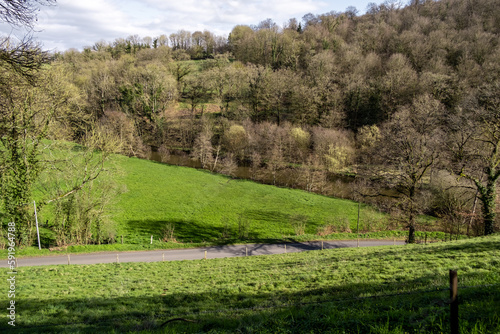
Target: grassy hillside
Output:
{"points": [[203, 208], [207, 207], [395, 289]]}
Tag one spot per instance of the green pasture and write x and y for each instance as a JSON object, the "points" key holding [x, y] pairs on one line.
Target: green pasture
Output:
{"points": [[203, 206], [392, 289]]}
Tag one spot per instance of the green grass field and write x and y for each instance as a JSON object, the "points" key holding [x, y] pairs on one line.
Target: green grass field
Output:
{"points": [[394, 289], [204, 207]]}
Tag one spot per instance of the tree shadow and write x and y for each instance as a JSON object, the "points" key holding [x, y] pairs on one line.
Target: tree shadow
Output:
{"points": [[187, 231], [184, 230]]}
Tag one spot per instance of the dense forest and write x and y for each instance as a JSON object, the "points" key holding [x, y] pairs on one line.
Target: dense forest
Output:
{"points": [[399, 107]]}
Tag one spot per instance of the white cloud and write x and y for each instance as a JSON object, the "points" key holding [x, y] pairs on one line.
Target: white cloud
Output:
{"points": [[233, 12], [79, 23]]}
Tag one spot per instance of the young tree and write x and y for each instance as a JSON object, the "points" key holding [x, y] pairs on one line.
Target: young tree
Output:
{"points": [[226, 83], [203, 149], [26, 112], [75, 188], [30, 98], [258, 91], [280, 91], [156, 89], [196, 90]]}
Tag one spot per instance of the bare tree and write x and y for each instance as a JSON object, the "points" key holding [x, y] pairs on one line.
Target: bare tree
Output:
{"points": [[21, 12], [24, 57], [408, 150], [474, 147]]}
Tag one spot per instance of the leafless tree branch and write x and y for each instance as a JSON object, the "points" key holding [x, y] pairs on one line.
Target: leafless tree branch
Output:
{"points": [[22, 12]]}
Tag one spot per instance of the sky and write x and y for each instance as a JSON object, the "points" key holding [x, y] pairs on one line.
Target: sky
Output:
{"points": [[77, 24]]}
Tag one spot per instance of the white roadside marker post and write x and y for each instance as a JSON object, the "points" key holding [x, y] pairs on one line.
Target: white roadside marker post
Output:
{"points": [[37, 231]]}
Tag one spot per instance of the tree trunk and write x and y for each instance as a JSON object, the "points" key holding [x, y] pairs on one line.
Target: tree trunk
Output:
{"points": [[472, 215], [411, 233], [488, 198], [411, 219], [489, 214]]}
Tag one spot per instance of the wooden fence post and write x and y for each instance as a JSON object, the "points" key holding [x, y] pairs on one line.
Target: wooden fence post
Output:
{"points": [[453, 302]]}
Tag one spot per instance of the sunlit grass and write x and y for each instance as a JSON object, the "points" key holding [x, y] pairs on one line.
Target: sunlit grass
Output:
{"points": [[205, 207]]}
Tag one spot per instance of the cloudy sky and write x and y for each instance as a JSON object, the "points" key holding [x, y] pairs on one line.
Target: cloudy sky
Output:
{"points": [[79, 23]]}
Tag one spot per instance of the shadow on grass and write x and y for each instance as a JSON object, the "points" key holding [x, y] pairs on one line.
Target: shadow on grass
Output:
{"points": [[185, 231], [190, 231], [465, 247], [335, 309]]}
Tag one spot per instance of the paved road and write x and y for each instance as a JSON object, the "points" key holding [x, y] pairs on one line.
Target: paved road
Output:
{"points": [[193, 253]]}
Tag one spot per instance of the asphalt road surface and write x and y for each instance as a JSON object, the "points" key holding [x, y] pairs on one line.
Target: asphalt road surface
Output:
{"points": [[194, 253]]}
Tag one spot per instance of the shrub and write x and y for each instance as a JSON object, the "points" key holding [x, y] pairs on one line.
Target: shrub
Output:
{"points": [[326, 230], [301, 138], [168, 233], [243, 227], [299, 223], [368, 136], [235, 138], [335, 225], [335, 147]]}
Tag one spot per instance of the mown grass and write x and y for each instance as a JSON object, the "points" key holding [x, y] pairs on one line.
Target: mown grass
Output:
{"points": [[395, 289], [396, 235], [206, 207], [209, 209]]}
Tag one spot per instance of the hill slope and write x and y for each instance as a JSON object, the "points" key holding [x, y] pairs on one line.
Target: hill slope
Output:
{"points": [[207, 207]]}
